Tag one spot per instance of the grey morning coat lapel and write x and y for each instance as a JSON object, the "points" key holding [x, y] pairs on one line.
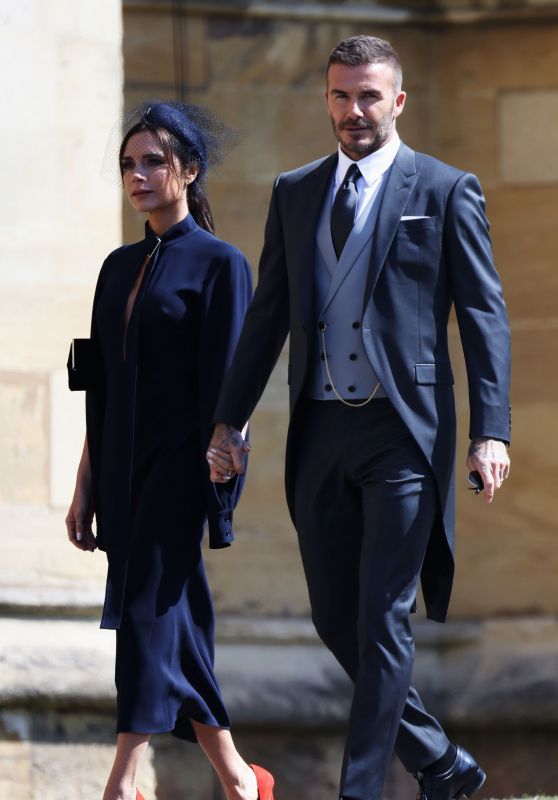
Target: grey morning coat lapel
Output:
{"points": [[357, 241], [400, 184]]}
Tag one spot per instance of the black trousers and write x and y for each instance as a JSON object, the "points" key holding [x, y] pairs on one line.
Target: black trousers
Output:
{"points": [[364, 503]]}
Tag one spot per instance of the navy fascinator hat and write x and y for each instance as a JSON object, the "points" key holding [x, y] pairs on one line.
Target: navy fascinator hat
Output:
{"points": [[203, 137]]}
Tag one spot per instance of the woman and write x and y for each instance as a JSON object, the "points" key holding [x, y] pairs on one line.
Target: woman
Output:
{"points": [[166, 316]]}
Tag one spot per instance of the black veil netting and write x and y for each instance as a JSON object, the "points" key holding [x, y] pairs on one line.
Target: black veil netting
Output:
{"points": [[200, 132]]}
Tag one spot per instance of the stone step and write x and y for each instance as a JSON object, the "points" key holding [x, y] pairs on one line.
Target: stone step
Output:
{"points": [[504, 675]]}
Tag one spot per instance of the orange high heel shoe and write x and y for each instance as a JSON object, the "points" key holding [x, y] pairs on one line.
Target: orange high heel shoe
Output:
{"points": [[265, 782], [139, 795]]}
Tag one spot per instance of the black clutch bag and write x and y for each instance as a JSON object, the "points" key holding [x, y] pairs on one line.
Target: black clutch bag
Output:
{"points": [[83, 365]]}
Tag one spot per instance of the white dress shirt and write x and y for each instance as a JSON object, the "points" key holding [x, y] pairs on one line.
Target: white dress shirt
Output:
{"points": [[372, 168]]}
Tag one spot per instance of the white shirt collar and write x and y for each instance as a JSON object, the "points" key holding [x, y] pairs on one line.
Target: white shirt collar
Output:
{"points": [[373, 166]]}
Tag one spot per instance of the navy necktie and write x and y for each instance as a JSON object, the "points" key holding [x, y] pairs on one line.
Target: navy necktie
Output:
{"points": [[344, 208]]}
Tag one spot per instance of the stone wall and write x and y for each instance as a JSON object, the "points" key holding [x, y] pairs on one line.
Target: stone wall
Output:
{"points": [[483, 96], [61, 90]]}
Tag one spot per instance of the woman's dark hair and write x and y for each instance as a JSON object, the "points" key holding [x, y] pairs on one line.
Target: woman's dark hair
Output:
{"points": [[183, 152]]}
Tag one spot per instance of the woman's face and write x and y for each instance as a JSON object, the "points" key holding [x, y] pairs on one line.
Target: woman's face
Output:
{"points": [[150, 182]]}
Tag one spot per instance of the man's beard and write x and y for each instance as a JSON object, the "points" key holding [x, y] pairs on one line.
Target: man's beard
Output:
{"points": [[381, 131]]}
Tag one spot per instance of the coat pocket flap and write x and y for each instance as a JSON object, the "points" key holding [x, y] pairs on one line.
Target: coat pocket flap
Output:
{"points": [[429, 374]]}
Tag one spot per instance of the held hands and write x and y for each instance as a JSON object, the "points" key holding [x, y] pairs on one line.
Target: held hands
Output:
{"points": [[79, 521], [226, 453], [490, 458]]}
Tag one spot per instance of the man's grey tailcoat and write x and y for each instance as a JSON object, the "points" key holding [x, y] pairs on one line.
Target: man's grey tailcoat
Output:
{"points": [[418, 268]]}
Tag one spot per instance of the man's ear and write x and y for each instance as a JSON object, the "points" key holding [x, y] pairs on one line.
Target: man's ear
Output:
{"points": [[399, 104]]}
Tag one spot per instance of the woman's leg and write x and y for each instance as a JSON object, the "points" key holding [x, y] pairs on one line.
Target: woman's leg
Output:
{"points": [[130, 748], [237, 778]]}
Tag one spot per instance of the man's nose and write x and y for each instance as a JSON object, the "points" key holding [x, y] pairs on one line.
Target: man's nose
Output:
{"points": [[354, 109]]}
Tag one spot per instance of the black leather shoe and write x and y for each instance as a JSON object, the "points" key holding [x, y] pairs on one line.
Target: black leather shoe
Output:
{"points": [[462, 779]]}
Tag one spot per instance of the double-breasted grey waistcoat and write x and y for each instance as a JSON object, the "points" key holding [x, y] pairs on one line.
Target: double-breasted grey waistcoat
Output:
{"points": [[339, 288]]}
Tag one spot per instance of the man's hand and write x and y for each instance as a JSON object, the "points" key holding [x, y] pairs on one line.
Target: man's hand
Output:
{"points": [[225, 454], [490, 458]]}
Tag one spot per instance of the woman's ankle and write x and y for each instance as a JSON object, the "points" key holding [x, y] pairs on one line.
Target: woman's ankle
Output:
{"points": [[242, 785], [125, 790]]}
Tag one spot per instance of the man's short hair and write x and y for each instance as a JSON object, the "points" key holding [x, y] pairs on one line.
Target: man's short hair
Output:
{"points": [[357, 50]]}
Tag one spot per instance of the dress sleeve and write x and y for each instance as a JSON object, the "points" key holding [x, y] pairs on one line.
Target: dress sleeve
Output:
{"points": [[95, 409], [227, 296]]}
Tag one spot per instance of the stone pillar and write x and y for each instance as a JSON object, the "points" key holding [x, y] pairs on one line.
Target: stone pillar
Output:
{"points": [[61, 89]]}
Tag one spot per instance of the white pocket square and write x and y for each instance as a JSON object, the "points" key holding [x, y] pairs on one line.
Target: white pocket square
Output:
{"points": [[404, 219]]}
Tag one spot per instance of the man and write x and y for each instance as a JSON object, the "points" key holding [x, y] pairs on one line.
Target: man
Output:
{"points": [[365, 252]]}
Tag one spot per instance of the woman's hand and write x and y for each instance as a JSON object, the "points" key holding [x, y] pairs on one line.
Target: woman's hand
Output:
{"points": [[80, 515], [79, 521], [226, 454], [220, 465]]}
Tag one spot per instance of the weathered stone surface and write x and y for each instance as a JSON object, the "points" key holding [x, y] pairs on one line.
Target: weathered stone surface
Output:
{"points": [[67, 433], [54, 771], [40, 570], [15, 770], [527, 152], [524, 235], [24, 436], [61, 216], [466, 132], [484, 674], [505, 56]]}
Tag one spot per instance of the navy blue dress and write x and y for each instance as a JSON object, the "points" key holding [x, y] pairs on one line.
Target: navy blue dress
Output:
{"points": [[149, 421]]}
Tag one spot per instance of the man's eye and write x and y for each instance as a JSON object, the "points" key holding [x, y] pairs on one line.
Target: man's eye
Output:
{"points": [[155, 161], [126, 166]]}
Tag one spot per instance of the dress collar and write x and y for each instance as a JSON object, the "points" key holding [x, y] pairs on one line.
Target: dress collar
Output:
{"points": [[177, 230]]}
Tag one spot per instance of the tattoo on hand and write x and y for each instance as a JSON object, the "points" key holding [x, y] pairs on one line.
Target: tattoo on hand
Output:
{"points": [[228, 438]]}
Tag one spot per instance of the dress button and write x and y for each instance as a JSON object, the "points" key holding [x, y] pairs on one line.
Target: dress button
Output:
{"points": [[351, 388], [356, 325], [321, 325], [322, 356], [353, 356], [327, 387]]}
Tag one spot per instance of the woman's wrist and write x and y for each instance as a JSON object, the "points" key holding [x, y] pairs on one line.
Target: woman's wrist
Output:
{"points": [[83, 483]]}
